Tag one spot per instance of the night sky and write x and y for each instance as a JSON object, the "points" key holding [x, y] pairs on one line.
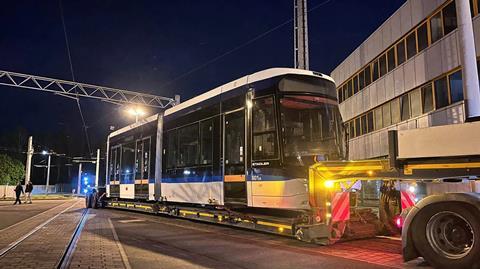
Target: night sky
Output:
{"points": [[148, 45]]}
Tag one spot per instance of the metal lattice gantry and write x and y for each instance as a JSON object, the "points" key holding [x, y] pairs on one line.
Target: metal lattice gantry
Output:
{"points": [[75, 90]]}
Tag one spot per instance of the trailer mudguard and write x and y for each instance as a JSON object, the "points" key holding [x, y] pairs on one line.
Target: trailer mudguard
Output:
{"points": [[408, 248]]}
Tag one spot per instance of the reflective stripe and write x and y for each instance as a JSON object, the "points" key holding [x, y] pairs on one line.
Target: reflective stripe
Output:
{"points": [[234, 178], [341, 207], [407, 198]]}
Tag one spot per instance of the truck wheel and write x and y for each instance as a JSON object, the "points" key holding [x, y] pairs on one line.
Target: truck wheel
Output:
{"points": [[448, 235]]}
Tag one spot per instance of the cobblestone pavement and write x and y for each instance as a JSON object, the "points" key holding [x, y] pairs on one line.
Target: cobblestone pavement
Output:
{"points": [[97, 247], [12, 214], [45, 247], [19, 229]]}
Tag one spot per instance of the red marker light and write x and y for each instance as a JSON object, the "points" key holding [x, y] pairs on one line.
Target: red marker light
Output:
{"points": [[399, 222]]}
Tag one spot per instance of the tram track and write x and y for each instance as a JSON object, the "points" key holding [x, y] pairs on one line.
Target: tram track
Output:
{"points": [[62, 258]]}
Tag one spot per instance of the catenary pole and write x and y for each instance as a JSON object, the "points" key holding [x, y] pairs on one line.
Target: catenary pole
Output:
{"points": [[97, 168]]}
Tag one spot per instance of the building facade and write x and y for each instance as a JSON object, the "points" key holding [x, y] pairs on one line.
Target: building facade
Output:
{"points": [[406, 75]]}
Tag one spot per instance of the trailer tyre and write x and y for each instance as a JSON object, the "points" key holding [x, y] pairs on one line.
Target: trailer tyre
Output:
{"points": [[88, 201], [448, 235]]}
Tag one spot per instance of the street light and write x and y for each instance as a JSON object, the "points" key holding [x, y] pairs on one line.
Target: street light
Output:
{"points": [[136, 111]]}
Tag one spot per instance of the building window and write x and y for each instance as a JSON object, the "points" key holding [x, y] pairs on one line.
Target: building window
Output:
{"points": [[422, 36], [456, 86], [427, 98], [382, 62], [411, 45], [368, 75], [350, 88], [387, 118], [404, 107], [395, 108], [355, 85], [363, 122], [416, 103], [436, 28], [449, 17], [340, 95], [378, 119], [361, 80], [345, 91], [351, 127], [391, 59], [441, 93], [264, 138], [375, 73], [358, 131], [401, 52], [370, 126]]}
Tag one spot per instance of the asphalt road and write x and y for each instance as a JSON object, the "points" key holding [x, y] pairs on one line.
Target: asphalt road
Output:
{"points": [[121, 239], [150, 241]]}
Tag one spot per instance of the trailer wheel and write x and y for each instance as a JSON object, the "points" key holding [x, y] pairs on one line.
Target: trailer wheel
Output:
{"points": [[448, 235], [88, 201], [94, 200]]}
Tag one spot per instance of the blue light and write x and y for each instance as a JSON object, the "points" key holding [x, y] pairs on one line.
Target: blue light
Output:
{"points": [[85, 178], [186, 172], [85, 190]]}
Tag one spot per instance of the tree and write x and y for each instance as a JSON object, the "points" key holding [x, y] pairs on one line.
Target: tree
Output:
{"points": [[11, 170]]}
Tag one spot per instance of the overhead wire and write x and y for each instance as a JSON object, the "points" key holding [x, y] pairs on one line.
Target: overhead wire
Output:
{"points": [[85, 127], [215, 59]]}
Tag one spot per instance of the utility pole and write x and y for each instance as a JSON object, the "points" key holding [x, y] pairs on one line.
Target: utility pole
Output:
{"points": [[301, 58], [79, 178], [48, 172], [97, 168], [28, 165]]}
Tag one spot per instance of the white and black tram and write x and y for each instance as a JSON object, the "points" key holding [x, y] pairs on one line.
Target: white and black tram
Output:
{"points": [[245, 144]]}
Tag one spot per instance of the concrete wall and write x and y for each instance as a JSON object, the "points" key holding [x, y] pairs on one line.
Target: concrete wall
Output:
{"points": [[8, 191], [438, 59]]}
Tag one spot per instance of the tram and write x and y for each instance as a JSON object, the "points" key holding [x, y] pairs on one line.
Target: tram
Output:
{"points": [[245, 144]]}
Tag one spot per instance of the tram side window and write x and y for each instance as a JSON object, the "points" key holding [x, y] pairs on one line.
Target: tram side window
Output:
{"points": [[171, 148], [138, 160], [146, 158], [117, 163], [113, 153], [128, 162], [188, 146], [234, 139], [264, 138], [206, 137]]}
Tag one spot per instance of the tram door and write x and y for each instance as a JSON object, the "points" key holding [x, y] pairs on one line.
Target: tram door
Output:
{"points": [[235, 187]]}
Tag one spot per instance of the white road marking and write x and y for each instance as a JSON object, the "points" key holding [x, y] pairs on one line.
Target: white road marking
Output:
{"points": [[119, 245], [131, 221]]}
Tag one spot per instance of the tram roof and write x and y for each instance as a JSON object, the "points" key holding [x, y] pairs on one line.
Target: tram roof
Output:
{"points": [[245, 80]]}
